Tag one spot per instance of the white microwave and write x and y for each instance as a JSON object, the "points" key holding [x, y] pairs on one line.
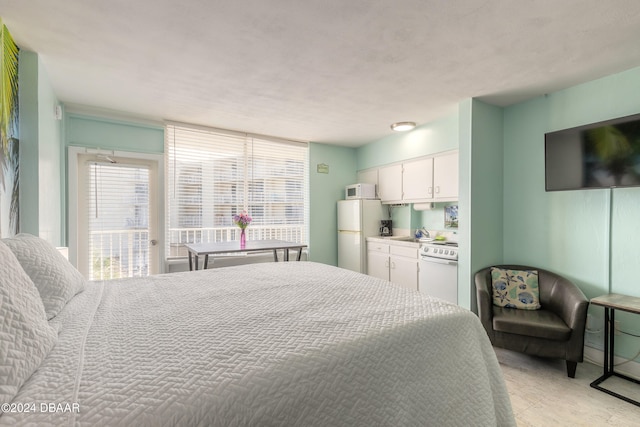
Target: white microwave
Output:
{"points": [[360, 191]]}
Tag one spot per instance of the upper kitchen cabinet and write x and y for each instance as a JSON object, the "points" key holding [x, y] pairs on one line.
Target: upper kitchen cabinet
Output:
{"points": [[445, 177], [390, 183], [427, 179], [417, 180]]}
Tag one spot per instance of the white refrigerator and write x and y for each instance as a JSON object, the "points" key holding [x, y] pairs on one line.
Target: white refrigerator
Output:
{"points": [[357, 220]]}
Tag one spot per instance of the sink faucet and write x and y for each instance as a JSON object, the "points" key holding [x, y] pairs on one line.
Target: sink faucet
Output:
{"points": [[425, 232]]}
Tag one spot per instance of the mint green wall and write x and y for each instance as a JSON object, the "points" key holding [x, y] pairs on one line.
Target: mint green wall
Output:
{"points": [[480, 233], [403, 217], [465, 159], [567, 232], [430, 138], [111, 134], [432, 219], [324, 192], [40, 153], [29, 186]]}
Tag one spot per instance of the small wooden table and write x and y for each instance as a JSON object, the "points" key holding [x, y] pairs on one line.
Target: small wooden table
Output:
{"points": [[611, 303], [206, 249]]}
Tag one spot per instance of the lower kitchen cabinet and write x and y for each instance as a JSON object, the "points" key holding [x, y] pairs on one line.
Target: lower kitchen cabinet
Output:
{"points": [[398, 264], [378, 265], [403, 268]]}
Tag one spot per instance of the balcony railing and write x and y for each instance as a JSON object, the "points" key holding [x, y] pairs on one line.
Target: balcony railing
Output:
{"points": [[125, 253], [119, 253], [179, 236]]}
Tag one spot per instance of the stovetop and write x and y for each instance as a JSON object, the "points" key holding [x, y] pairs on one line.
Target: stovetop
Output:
{"points": [[444, 243]]}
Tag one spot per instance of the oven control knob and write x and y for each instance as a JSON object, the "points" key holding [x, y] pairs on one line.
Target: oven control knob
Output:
{"points": [[446, 252], [453, 252]]}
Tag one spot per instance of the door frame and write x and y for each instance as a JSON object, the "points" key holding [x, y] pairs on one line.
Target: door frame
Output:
{"points": [[72, 178]]}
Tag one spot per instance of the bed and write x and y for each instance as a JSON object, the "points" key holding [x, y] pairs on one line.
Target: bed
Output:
{"points": [[269, 344]]}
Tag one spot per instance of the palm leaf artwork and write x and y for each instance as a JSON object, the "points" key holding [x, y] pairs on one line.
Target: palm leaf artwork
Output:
{"points": [[613, 147], [9, 163], [14, 207]]}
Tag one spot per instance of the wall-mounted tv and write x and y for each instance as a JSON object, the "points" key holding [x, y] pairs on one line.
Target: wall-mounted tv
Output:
{"points": [[599, 155]]}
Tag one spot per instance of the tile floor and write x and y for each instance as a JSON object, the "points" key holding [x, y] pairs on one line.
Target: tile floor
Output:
{"points": [[543, 395]]}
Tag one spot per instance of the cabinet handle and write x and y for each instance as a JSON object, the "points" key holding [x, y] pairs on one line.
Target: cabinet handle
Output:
{"points": [[437, 189], [393, 265], [430, 191], [386, 263]]}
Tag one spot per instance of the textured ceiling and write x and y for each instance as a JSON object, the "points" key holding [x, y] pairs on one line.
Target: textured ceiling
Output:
{"points": [[330, 71]]}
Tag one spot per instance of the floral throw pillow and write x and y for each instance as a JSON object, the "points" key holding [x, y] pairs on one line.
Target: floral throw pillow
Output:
{"points": [[515, 288]]}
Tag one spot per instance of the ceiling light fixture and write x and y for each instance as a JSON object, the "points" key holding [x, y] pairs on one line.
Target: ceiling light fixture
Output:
{"points": [[403, 126]]}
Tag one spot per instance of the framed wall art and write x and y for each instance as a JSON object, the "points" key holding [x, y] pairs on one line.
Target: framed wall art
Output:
{"points": [[451, 216], [9, 143]]}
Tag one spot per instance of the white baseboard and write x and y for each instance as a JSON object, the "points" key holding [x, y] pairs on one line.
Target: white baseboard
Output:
{"points": [[596, 356]]}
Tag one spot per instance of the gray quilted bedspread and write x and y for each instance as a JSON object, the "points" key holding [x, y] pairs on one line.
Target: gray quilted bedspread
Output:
{"points": [[274, 344]]}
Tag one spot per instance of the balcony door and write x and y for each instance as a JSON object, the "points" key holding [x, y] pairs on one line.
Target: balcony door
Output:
{"points": [[117, 216]]}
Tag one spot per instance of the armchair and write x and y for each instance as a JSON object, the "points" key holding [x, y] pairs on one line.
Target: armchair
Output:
{"points": [[556, 330]]}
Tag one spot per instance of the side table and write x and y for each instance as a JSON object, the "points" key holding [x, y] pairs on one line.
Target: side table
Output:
{"points": [[611, 303]]}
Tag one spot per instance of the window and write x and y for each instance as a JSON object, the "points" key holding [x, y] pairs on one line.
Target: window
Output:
{"points": [[213, 174]]}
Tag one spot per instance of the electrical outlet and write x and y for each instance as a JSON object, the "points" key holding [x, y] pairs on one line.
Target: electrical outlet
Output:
{"points": [[617, 327]]}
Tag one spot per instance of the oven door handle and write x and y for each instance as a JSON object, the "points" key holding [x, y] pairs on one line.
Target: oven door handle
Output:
{"points": [[438, 260]]}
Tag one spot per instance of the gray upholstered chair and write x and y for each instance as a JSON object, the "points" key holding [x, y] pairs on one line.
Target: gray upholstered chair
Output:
{"points": [[556, 330]]}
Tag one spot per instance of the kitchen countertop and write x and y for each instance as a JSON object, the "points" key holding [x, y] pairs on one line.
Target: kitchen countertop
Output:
{"points": [[396, 240]]}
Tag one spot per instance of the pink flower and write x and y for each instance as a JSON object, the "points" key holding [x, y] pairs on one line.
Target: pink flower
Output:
{"points": [[242, 220]]}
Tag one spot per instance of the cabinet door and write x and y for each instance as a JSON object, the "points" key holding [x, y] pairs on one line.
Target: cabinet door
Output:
{"points": [[445, 176], [378, 265], [390, 183], [404, 272], [417, 180]]}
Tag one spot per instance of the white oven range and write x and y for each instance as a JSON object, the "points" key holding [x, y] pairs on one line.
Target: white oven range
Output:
{"points": [[438, 274]]}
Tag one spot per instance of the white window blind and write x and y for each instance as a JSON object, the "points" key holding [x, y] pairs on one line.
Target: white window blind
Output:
{"points": [[118, 219], [213, 174]]}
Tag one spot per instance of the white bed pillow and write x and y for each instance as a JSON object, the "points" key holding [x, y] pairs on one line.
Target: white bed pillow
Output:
{"points": [[55, 278], [25, 335]]}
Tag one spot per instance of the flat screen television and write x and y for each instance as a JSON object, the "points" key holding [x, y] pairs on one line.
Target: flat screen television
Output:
{"points": [[599, 155]]}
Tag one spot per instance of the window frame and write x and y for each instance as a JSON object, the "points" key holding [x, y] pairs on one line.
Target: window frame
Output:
{"points": [[73, 156], [246, 201]]}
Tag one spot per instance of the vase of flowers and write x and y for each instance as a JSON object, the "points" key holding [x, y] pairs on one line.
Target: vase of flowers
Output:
{"points": [[242, 220]]}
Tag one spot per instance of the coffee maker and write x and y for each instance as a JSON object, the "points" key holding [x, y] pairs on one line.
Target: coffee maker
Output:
{"points": [[385, 228]]}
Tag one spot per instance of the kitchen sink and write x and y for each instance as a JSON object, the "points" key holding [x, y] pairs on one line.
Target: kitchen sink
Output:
{"points": [[403, 238]]}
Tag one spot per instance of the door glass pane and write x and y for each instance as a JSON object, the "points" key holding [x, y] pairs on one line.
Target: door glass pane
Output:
{"points": [[118, 210]]}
